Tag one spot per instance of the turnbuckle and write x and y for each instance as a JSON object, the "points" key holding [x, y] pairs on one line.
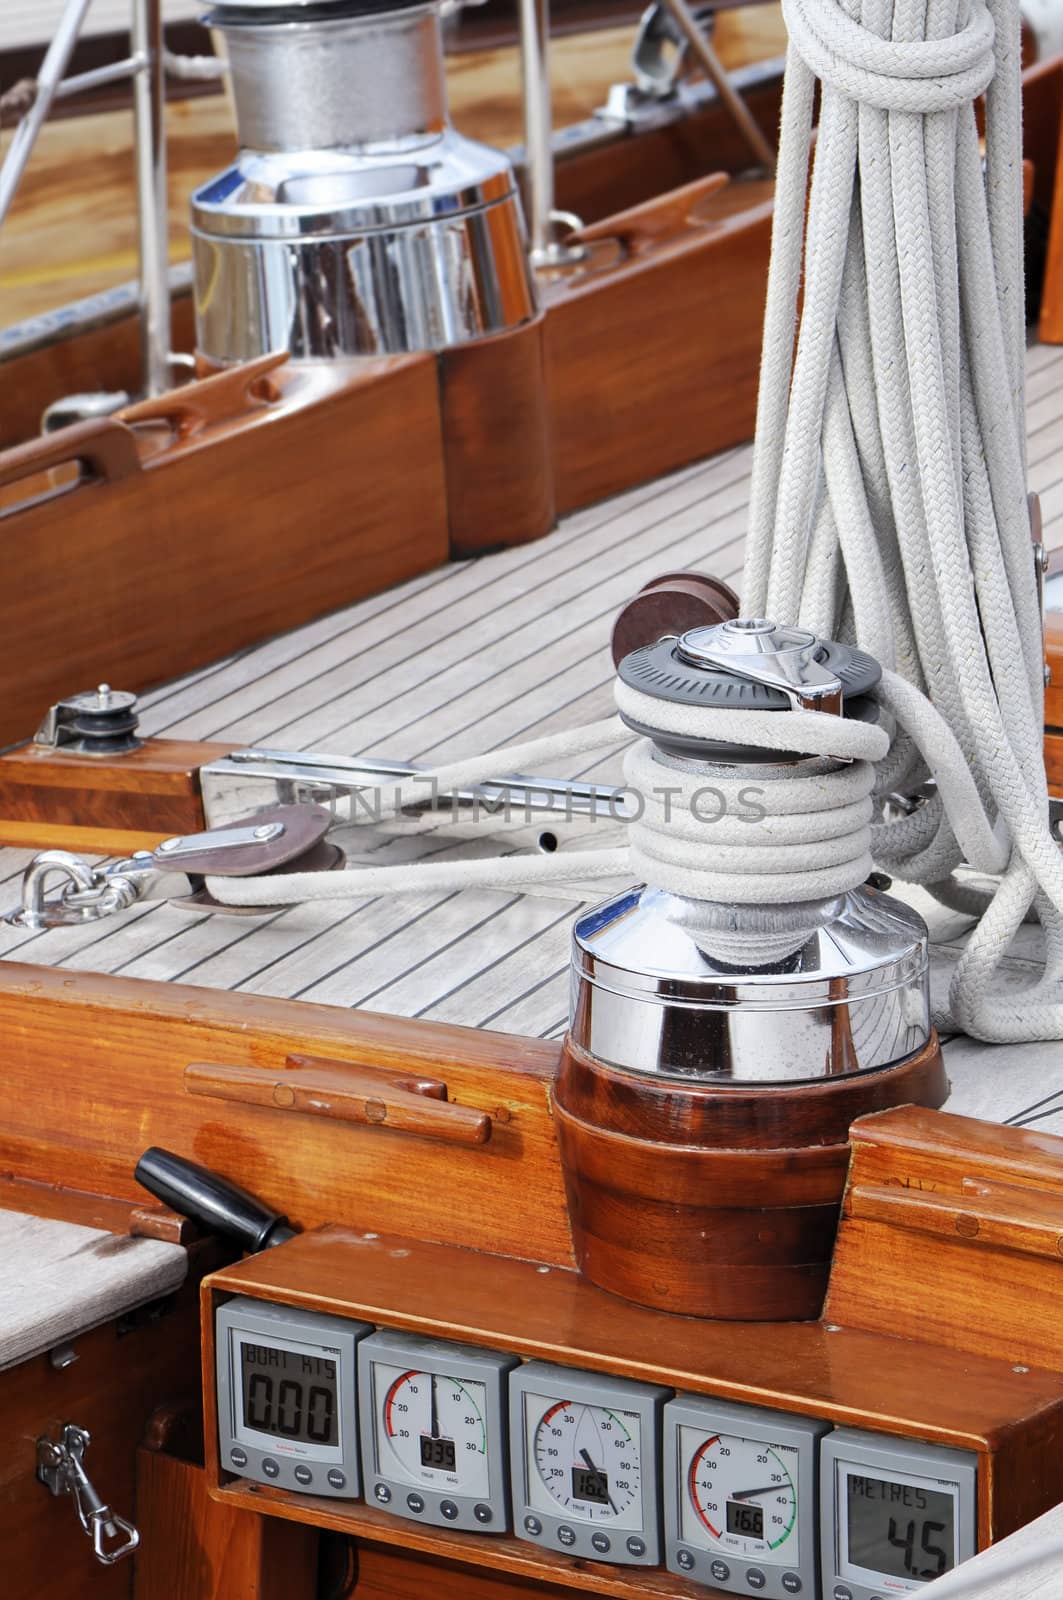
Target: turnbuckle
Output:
{"points": [[87, 893], [61, 1468]]}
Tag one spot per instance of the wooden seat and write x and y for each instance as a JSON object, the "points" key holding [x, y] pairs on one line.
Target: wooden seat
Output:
{"points": [[58, 1280]]}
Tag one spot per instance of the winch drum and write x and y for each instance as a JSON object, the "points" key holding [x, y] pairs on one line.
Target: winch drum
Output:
{"points": [[355, 220]]}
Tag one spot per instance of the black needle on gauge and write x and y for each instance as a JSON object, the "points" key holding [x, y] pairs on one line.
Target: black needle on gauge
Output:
{"points": [[748, 1494], [433, 1423], [589, 1463]]}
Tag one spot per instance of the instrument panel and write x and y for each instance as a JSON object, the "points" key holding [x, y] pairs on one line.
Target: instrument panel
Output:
{"points": [[740, 1498]]}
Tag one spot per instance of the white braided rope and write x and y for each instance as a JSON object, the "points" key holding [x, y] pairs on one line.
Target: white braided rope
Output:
{"points": [[889, 472]]}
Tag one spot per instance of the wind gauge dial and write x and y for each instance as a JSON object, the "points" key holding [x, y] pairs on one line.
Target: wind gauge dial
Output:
{"points": [[740, 1508], [433, 1423], [585, 1462]]}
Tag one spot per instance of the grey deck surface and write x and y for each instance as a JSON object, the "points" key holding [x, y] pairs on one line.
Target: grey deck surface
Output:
{"points": [[477, 654]]}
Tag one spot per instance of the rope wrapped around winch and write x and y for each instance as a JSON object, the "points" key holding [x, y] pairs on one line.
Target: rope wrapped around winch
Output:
{"points": [[889, 507]]}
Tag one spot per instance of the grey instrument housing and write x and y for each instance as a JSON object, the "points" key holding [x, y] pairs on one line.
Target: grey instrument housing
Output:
{"points": [[693, 1560], [876, 1454], [286, 1326], [446, 1359], [542, 1379]]}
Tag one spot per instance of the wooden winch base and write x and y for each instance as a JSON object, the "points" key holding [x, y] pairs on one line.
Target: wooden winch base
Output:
{"points": [[712, 1200]]}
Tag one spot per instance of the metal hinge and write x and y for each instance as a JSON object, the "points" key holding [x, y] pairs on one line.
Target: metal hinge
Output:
{"points": [[61, 1468]]}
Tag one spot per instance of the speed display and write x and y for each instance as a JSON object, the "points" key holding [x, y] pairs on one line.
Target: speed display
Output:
{"points": [[287, 1397], [289, 1394]]}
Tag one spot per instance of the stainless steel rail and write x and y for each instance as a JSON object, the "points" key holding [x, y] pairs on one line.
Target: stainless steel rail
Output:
{"points": [[149, 113]]}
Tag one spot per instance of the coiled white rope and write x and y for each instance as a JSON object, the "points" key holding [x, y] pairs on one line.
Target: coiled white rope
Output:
{"points": [[704, 833], [888, 503], [889, 472]]}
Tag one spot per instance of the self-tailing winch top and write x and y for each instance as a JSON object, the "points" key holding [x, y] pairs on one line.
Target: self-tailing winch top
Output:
{"points": [[749, 664]]}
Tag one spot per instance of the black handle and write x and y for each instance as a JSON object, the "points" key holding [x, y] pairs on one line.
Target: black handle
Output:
{"points": [[220, 1206]]}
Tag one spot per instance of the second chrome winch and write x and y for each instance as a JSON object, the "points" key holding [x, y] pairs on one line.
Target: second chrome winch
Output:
{"points": [[355, 220]]}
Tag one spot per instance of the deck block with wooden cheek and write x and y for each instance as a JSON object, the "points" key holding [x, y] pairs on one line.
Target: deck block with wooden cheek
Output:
{"points": [[52, 799]]}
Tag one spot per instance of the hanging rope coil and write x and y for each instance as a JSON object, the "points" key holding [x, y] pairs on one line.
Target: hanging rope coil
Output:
{"points": [[889, 497], [920, 75]]}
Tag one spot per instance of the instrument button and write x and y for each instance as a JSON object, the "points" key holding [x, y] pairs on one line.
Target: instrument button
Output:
{"points": [[636, 1546], [415, 1503], [270, 1468], [336, 1478], [601, 1543], [303, 1475], [533, 1526], [685, 1559], [382, 1493], [841, 1591], [791, 1583], [566, 1535], [448, 1509], [720, 1571], [238, 1457], [755, 1578], [482, 1513]]}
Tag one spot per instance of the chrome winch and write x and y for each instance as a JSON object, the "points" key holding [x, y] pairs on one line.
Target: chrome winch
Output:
{"points": [[675, 986], [355, 220]]}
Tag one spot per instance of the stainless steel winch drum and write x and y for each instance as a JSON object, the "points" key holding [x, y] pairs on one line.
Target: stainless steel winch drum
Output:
{"points": [[648, 996], [355, 220], [674, 987]]}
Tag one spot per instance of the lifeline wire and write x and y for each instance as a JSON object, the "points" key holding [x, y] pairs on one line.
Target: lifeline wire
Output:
{"points": [[888, 503]]}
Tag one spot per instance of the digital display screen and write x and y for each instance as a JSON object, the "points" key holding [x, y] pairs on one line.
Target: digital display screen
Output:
{"points": [[745, 1517], [901, 1530], [288, 1395], [589, 1483], [438, 1453]]}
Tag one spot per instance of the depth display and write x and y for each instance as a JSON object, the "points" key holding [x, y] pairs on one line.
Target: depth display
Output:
{"points": [[901, 1530], [291, 1396]]}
